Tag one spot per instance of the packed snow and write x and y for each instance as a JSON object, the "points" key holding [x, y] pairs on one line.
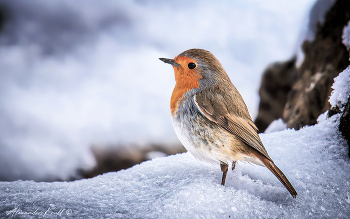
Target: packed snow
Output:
{"points": [[314, 159], [81, 73]]}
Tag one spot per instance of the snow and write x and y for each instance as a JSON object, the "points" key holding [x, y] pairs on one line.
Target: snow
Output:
{"points": [[341, 89], [314, 159], [322, 117], [275, 126], [81, 73], [155, 154]]}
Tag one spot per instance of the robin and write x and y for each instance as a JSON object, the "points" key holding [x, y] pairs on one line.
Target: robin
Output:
{"points": [[210, 117]]}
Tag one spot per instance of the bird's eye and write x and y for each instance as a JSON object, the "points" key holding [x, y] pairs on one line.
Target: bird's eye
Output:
{"points": [[191, 65]]}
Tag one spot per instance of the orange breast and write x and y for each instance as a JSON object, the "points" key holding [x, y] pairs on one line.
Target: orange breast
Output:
{"points": [[186, 80]]}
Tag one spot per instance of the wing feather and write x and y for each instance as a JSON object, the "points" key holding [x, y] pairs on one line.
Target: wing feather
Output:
{"points": [[241, 126]]}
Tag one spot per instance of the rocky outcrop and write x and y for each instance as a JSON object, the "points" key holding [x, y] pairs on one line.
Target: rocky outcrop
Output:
{"points": [[117, 157], [2, 16], [276, 83], [344, 126], [325, 57]]}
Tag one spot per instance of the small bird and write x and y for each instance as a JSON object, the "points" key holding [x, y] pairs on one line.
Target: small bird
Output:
{"points": [[210, 117]]}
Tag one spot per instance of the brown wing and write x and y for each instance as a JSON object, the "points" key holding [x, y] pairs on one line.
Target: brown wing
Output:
{"points": [[231, 114]]}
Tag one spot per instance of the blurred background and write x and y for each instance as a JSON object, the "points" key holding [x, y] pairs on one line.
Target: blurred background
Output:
{"points": [[82, 90]]}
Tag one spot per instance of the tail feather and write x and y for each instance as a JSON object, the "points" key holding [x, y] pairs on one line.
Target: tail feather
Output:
{"points": [[277, 172]]}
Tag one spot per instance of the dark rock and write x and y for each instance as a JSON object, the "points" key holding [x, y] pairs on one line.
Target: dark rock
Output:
{"points": [[276, 82], [344, 126], [325, 58], [3, 16], [117, 157]]}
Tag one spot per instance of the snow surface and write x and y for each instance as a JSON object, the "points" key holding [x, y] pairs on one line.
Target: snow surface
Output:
{"points": [[80, 73], [314, 159], [275, 126]]}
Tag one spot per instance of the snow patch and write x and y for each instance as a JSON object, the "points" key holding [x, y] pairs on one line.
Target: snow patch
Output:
{"points": [[341, 89], [276, 126], [322, 117], [155, 154]]}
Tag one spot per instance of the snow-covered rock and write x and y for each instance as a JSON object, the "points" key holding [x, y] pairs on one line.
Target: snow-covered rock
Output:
{"points": [[341, 85], [314, 159]]}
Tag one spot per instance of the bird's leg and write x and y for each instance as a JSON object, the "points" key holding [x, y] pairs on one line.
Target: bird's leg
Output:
{"points": [[224, 169], [233, 165]]}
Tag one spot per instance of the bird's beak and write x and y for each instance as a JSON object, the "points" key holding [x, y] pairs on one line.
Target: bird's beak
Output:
{"points": [[170, 61]]}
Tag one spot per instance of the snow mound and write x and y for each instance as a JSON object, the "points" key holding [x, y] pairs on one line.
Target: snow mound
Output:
{"points": [[314, 159], [322, 117], [275, 126]]}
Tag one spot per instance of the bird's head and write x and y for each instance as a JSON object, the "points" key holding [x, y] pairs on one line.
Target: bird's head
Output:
{"points": [[197, 67], [194, 69]]}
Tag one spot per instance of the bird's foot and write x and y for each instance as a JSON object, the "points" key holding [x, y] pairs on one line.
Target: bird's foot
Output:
{"points": [[224, 169], [233, 165]]}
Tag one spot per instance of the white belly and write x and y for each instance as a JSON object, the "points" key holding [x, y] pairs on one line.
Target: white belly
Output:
{"points": [[198, 148]]}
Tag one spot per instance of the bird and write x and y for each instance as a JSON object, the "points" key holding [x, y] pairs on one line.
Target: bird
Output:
{"points": [[210, 117]]}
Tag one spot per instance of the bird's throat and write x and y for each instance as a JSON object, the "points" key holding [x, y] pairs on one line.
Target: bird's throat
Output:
{"points": [[186, 80]]}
